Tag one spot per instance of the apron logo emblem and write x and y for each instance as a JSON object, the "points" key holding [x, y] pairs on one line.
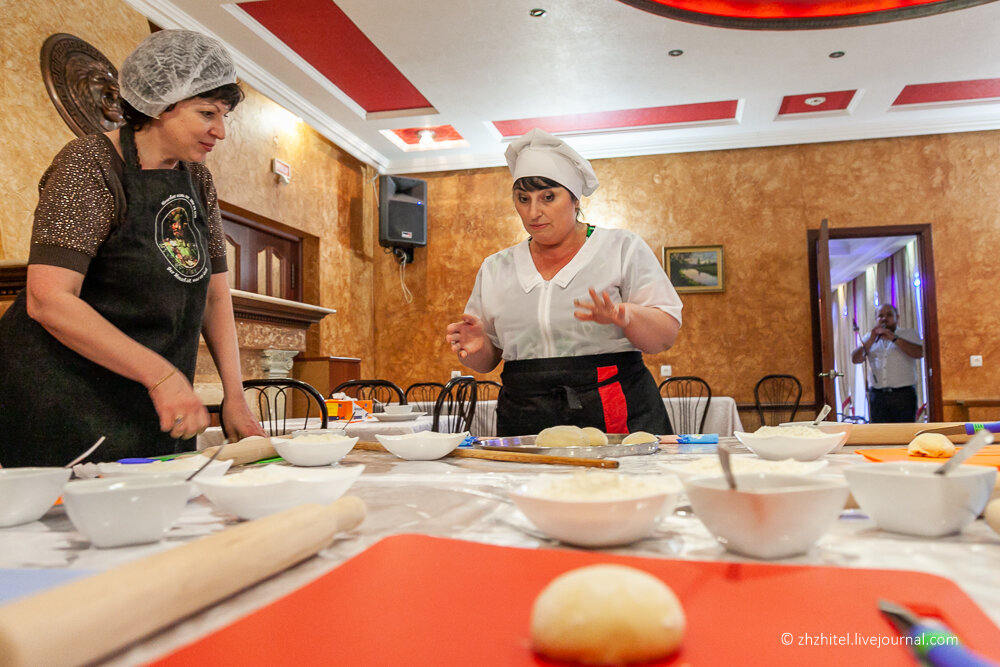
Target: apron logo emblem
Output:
{"points": [[179, 239]]}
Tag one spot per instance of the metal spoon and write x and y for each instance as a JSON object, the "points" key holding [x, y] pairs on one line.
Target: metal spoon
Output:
{"points": [[86, 453], [822, 415], [977, 442], [204, 465], [727, 470]]}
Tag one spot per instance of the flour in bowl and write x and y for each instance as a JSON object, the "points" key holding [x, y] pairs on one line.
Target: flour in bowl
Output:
{"points": [[594, 485], [789, 431]]}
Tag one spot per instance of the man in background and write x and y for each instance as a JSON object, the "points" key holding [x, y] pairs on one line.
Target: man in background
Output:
{"points": [[892, 354]]}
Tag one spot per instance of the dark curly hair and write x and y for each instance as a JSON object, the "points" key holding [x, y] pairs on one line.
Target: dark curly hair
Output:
{"points": [[229, 94]]}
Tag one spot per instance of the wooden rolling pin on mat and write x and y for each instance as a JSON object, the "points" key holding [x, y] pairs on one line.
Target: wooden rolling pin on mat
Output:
{"points": [[248, 450], [898, 434], [514, 457], [88, 619]]}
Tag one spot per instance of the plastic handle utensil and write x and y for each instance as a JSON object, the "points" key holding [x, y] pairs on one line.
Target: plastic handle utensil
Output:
{"points": [[975, 427], [977, 442]]}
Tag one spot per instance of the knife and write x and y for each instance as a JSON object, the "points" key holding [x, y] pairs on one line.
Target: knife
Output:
{"points": [[932, 642], [968, 428]]}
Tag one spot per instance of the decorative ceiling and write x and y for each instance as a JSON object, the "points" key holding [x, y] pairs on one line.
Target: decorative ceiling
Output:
{"points": [[415, 87]]}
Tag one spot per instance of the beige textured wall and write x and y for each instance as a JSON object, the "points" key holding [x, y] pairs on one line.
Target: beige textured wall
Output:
{"points": [[758, 204]]}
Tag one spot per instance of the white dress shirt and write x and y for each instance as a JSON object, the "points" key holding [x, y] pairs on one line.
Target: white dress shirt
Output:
{"points": [[531, 318], [889, 365]]}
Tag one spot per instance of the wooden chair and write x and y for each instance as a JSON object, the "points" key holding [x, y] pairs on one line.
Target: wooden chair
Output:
{"points": [[687, 405], [379, 392], [484, 423], [456, 405], [273, 399], [777, 398], [424, 393]]}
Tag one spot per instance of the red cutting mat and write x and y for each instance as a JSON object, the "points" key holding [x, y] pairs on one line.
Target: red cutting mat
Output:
{"points": [[416, 600], [987, 456]]}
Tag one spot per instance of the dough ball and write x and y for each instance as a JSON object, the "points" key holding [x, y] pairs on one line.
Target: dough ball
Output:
{"points": [[992, 515], [606, 614], [595, 436], [639, 438], [934, 445], [561, 436]]}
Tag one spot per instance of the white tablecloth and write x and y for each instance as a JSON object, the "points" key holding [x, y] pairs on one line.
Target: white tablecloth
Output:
{"points": [[364, 430]]}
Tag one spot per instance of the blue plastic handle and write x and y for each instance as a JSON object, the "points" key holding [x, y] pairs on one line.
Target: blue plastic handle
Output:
{"points": [[973, 427]]}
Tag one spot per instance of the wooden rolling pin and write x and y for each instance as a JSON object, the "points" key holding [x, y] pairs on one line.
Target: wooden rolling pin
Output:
{"points": [[515, 457], [87, 619], [896, 434], [248, 450]]}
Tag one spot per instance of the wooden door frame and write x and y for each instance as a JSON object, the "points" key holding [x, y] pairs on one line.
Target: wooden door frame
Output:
{"points": [[932, 352]]}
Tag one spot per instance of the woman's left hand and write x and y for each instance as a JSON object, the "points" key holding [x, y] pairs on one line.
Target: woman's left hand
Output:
{"points": [[239, 420], [602, 310]]}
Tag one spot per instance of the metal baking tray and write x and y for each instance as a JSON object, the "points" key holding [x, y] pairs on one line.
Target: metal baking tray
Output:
{"points": [[526, 443]]}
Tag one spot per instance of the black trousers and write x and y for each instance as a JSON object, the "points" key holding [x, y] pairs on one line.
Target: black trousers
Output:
{"points": [[892, 405]]}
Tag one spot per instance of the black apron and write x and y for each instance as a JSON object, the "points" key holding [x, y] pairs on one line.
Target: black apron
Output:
{"points": [[611, 392], [150, 280]]}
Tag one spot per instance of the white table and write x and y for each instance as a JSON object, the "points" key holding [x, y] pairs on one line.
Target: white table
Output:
{"points": [[365, 430], [467, 499]]}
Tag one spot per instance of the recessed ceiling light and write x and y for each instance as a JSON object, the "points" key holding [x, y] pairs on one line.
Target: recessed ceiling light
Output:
{"points": [[537, 13], [675, 52], [815, 101], [837, 54]]}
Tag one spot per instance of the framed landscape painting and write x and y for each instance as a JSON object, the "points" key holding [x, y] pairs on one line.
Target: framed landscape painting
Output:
{"points": [[695, 268]]}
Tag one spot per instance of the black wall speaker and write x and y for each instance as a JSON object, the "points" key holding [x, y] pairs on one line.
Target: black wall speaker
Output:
{"points": [[402, 212]]}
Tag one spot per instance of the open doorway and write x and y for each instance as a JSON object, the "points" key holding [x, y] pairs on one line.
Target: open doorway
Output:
{"points": [[869, 267]]}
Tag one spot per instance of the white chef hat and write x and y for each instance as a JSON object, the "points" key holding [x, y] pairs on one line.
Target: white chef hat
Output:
{"points": [[173, 65], [538, 153]]}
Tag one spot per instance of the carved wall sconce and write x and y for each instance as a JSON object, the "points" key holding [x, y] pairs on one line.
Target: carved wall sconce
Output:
{"points": [[82, 84]]}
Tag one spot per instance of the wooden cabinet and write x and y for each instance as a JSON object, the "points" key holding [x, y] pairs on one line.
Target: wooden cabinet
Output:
{"points": [[325, 373]]}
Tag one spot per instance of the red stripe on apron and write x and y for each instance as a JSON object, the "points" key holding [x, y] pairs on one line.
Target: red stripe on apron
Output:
{"points": [[613, 401]]}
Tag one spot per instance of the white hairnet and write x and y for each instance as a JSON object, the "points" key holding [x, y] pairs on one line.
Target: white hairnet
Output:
{"points": [[538, 153], [173, 65]]}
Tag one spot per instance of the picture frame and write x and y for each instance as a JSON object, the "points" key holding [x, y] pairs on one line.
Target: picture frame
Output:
{"points": [[695, 268]]}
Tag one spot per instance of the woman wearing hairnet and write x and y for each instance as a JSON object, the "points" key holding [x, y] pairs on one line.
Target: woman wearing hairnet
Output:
{"points": [[570, 310], [127, 267]]}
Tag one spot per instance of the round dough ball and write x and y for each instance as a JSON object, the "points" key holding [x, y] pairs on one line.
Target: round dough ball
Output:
{"points": [[561, 436], [595, 436], [934, 445], [639, 438], [992, 515], [606, 614]]}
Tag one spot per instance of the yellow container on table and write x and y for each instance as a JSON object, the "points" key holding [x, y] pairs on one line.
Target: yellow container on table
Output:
{"points": [[340, 410]]}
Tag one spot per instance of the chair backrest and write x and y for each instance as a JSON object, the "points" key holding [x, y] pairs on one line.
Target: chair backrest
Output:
{"points": [[484, 423], [379, 392], [276, 400], [425, 393], [456, 405], [777, 398], [688, 398]]}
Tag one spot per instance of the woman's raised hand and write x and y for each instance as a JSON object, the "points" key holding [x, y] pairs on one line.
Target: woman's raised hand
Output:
{"points": [[602, 310], [466, 337]]}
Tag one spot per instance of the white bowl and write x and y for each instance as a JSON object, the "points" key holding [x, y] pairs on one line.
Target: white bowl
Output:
{"points": [[117, 511], [767, 516], [179, 468], [780, 447], [27, 493], [709, 466], [330, 430], [597, 522], [258, 492], [828, 427], [422, 446], [398, 409], [907, 497], [314, 449]]}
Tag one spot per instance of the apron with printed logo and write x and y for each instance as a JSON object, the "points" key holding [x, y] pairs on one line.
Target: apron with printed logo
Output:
{"points": [[150, 280]]}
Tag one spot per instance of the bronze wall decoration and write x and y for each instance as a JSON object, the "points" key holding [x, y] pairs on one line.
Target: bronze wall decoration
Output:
{"points": [[82, 84]]}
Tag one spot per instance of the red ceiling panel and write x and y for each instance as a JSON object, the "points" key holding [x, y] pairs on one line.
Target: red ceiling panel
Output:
{"points": [[319, 32], [611, 120], [411, 135], [950, 91], [771, 9], [811, 102]]}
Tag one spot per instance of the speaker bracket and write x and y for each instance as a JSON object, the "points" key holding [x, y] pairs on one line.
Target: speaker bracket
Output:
{"points": [[403, 255]]}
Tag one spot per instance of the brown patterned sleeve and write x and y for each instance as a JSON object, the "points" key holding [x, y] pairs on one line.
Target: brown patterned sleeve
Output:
{"points": [[76, 205], [216, 234]]}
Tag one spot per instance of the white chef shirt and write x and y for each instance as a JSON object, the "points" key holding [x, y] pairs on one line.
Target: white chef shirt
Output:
{"points": [[531, 318], [889, 365]]}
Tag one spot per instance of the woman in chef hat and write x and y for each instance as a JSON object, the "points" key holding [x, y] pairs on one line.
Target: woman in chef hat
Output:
{"points": [[127, 268], [570, 309]]}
